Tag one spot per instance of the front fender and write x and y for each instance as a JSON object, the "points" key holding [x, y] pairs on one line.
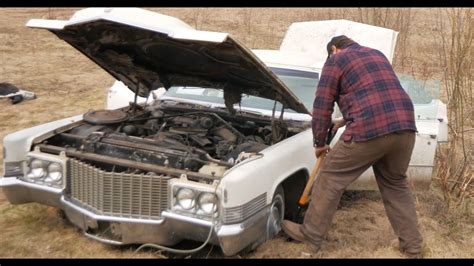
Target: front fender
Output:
{"points": [[17, 144], [249, 180]]}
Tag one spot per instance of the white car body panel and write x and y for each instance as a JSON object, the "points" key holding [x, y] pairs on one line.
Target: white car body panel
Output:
{"points": [[291, 59], [119, 95], [137, 17], [310, 38], [435, 113], [17, 144], [261, 175]]}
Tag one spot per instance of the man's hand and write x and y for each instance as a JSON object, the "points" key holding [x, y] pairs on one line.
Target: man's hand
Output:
{"points": [[318, 151], [338, 123]]}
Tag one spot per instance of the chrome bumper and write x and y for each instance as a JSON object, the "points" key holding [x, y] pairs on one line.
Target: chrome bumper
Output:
{"points": [[18, 192], [169, 230]]}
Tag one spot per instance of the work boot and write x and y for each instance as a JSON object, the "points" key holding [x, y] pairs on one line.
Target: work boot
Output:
{"points": [[293, 230], [410, 255]]}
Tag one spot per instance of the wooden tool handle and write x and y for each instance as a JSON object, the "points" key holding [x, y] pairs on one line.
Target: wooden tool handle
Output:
{"points": [[307, 190]]}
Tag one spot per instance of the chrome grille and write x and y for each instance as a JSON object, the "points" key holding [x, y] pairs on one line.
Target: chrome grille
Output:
{"points": [[117, 194], [242, 212]]}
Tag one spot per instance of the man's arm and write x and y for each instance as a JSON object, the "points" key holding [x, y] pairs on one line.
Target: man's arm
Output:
{"points": [[323, 105], [338, 123]]}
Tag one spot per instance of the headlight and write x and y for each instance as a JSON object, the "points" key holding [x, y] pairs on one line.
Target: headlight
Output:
{"points": [[208, 202], [194, 199], [186, 198], [55, 172], [37, 169], [49, 172]]}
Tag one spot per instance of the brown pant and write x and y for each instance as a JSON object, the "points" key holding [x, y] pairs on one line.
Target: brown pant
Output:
{"points": [[389, 156]]}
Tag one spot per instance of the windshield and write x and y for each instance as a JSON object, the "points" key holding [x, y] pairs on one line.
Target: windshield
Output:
{"points": [[420, 91], [302, 83]]}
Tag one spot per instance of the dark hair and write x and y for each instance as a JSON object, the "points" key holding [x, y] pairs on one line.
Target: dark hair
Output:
{"points": [[340, 42]]}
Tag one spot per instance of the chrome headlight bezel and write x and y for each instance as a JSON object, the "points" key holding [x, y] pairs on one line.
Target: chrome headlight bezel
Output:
{"points": [[51, 170], [194, 209]]}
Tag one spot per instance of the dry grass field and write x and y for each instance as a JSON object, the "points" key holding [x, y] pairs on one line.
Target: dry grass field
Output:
{"points": [[67, 84]]}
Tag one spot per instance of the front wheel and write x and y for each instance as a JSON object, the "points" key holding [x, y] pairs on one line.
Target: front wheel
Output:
{"points": [[277, 212]]}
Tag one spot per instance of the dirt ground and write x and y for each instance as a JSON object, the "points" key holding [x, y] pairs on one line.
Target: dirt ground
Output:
{"points": [[68, 84]]}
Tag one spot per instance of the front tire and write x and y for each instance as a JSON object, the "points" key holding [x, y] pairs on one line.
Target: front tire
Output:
{"points": [[274, 220], [276, 215]]}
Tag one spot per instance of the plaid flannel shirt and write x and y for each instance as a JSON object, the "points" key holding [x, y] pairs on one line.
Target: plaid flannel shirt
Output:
{"points": [[372, 101]]}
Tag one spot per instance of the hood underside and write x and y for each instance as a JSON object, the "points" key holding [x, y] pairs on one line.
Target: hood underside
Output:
{"points": [[169, 53]]}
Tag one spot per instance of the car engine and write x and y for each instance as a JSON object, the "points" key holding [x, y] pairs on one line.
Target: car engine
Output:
{"points": [[176, 137]]}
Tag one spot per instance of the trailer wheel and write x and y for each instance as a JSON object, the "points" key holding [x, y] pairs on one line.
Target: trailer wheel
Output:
{"points": [[16, 99]]}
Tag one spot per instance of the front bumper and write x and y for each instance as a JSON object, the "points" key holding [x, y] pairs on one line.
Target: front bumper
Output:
{"points": [[169, 230]]}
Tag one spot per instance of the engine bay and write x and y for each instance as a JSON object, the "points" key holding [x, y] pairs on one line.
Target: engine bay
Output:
{"points": [[180, 136]]}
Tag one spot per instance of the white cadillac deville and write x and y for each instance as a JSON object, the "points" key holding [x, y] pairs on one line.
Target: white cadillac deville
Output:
{"points": [[223, 155]]}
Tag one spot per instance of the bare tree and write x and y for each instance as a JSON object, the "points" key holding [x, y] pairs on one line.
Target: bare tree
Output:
{"points": [[456, 54], [196, 15]]}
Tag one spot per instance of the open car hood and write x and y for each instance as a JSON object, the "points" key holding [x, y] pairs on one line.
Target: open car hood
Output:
{"points": [[308, 39], [146, 50]]}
